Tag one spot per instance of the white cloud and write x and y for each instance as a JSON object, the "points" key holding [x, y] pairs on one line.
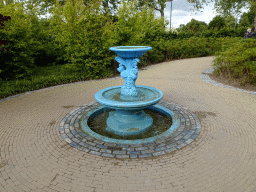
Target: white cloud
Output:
{"points": [[182, 12]]}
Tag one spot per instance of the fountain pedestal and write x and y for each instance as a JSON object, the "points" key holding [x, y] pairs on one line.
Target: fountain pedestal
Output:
{"points": [[123, 122], [129, 100]]}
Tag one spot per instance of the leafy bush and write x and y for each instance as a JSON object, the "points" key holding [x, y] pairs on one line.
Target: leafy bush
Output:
{"points": [[27, 43], [237, 59], [135, 27], [163, 50], [51, 52], [18, 61], [85, 40]]}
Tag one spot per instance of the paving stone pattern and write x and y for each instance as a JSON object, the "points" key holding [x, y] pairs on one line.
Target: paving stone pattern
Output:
{"points": [[186, 133], [34, 157]]}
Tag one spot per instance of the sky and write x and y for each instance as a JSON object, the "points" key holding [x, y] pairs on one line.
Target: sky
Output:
{"points": [[182, 13]]}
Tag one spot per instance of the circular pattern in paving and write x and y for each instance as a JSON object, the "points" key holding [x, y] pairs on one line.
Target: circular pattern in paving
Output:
{"points": [[188, 129]]}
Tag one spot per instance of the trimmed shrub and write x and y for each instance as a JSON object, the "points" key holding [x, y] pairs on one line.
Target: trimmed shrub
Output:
{"points": [[237, 58]]}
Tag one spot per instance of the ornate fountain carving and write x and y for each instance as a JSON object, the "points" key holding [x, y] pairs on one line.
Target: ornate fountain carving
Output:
{"points": [[129, 74]]}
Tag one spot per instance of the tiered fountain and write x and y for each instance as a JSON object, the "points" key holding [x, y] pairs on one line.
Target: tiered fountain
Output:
{"points": [[124, 106], [128, 100]]}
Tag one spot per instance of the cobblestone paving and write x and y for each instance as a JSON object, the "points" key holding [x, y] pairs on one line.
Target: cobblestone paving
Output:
{"points": [[187, 132], [35, 158]]}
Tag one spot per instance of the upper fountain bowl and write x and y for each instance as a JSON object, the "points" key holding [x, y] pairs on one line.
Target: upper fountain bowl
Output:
{"points": [[130, 51]]}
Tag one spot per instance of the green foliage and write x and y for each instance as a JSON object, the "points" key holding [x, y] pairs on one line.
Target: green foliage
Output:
{"points": [[47, 5], [84, 38], [181, 28], [163, 50], [196, 26], [230, 21], [218, 22], [18, 61], [158, 5], [237, 59], [224, 32], [135, 27], [224, 7], [229, 7], [28, 43], [83, 41], [193, 26], [246, 19], [44, 77]]}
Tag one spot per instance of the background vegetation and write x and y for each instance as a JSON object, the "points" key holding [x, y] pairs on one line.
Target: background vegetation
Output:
{"points": [[47, 52]]}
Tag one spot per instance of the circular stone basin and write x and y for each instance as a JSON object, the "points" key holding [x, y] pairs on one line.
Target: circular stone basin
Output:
{"points": [[147, 96], [130, 51], [187, 131], [86, 118]]}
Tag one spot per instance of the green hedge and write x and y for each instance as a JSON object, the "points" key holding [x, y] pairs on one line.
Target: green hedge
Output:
{"points": [[238, 60], [164, 50], [25, 39], [224, 32]]}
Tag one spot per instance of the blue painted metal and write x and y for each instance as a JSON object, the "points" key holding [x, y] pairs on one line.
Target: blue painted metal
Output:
{"points": [[129, 100], [128, 59], [91, 114], [147, 96], [130, 51]]}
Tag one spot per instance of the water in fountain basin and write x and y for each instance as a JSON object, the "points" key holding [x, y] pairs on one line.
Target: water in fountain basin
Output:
{"points": [[161, 123], [144, 94]]}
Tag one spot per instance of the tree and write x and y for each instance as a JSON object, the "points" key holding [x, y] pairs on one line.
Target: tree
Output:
{"points": [[217, 22], [137, 27], [7, 2], [246, 19], [196, 26], [230, 21], [228, 7], [182, 27], [157, 5], [47, 5]]}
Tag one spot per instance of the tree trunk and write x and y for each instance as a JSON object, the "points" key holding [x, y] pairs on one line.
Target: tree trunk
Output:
{"points": [[162, 14], [254, 24]]}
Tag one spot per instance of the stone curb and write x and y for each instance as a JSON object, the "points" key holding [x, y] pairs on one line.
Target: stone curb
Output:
{"points": [[186, 133], [205, 77]]}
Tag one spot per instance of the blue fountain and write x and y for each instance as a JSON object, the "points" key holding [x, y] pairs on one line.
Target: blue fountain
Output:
{"points": [[129, 100]]}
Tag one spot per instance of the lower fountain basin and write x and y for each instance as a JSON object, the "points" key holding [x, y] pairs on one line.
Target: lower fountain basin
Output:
{"points": [[91, 114]]}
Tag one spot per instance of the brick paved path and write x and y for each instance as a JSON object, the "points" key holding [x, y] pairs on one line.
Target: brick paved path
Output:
{"points": [[34, 157]]}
